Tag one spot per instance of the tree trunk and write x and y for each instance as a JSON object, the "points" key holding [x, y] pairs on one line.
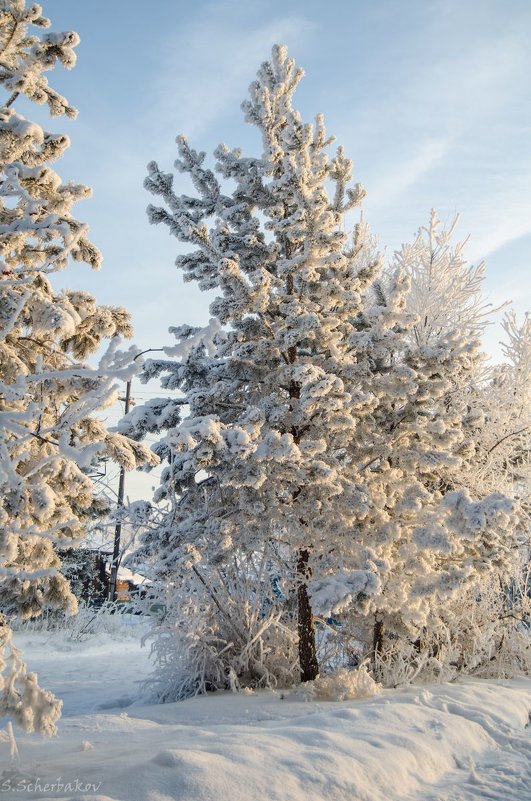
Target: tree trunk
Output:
{"points": [[377, 640], [306, 629], [305, 626]]}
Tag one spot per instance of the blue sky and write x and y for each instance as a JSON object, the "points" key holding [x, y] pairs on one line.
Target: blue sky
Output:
{"points": [[430, 98]]}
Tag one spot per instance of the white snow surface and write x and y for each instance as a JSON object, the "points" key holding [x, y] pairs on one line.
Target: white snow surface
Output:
{"points": [[454, 742]]}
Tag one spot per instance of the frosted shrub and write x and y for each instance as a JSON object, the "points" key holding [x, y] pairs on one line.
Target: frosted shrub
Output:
{"points": [[21, 698], [89, 621], [109, 618], [486, 633], [489, 631], [345, 684], [223, 632], [402, 663]]}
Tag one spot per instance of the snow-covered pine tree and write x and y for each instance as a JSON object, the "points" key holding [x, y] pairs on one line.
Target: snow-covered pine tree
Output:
{"points": [[275, 399], [503, 429], [425, 532], [48, 393], [501, 438], [446, 297], [451, 315], [446, 292], [315, 438]]}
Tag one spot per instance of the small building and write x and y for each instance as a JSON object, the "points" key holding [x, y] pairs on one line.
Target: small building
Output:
{"points": [[89, 571]]}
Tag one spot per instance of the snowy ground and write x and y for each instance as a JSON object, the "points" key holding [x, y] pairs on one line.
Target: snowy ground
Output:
{"points": [[461, 742]]}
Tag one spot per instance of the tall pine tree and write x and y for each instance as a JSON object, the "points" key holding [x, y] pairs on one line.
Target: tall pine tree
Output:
{"points": [[49, 437], [313, 426]]}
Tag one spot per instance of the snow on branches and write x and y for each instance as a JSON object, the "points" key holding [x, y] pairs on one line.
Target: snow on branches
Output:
{"points": [[49, 436], [320, 435]]}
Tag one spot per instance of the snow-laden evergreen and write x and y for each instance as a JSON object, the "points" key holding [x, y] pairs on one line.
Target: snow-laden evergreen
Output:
{"points": [[503, 450], [49, 436], [446, 298], [446, 292], [429, 533], [493, 401], [311, 474]]}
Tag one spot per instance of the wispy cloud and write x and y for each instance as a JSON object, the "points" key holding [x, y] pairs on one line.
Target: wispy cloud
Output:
{"points": [[206, 68], [493, 231], [433, 106], [439, 130], [398, 177]]}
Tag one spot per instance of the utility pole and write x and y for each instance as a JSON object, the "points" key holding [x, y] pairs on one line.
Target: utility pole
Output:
{"points": [[120, 503], [121, 492]]}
